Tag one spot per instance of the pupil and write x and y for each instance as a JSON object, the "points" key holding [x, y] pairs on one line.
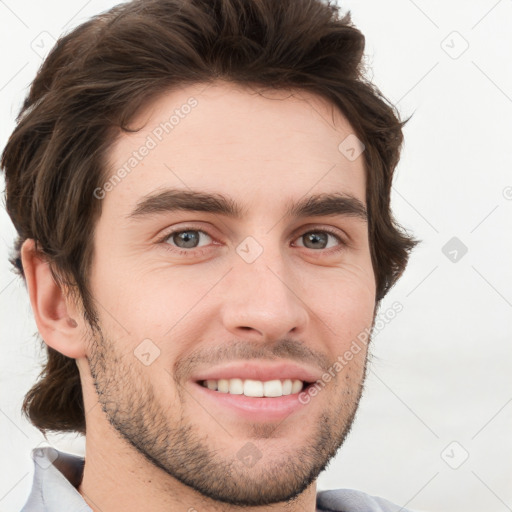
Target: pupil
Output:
{"points": [[314, 237], [189, 237]]}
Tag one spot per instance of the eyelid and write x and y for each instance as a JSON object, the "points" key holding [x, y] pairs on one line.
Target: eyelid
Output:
{"points": [[179, 229], [322, 227], [336, 232]]}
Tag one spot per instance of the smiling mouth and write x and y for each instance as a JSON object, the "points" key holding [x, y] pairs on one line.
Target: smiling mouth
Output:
{"points": [[256, 388]]}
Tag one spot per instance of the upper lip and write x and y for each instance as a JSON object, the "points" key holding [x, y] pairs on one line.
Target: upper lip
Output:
{"points": [[255, 371]]}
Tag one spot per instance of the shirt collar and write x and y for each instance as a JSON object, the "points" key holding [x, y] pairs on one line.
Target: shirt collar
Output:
{"points": [[57, 476]]}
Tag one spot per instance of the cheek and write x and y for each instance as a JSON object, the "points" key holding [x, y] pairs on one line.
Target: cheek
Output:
{"points": [[346, 309], [346, 296], [145, 301]]}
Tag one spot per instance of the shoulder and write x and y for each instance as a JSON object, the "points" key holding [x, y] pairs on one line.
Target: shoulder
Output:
{"points": [[350, 500], [56, 477]]}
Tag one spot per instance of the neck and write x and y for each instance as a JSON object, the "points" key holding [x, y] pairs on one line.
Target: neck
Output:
{"points": [[116, 477]]}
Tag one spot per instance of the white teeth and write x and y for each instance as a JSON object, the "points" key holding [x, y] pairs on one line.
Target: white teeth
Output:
{"points": [[296, 386], [273, 388], [236, 386], [255, 388], [223, 385], [211, 384], [287, 387]]}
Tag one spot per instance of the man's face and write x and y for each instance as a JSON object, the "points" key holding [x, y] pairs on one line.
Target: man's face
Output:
{"points": [[236, 294]]}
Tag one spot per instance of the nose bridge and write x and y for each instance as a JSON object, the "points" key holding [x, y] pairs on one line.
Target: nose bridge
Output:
{"points": [[262, 294]]}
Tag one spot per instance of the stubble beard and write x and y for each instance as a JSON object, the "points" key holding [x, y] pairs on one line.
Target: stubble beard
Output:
{"points": [[179, 448]]}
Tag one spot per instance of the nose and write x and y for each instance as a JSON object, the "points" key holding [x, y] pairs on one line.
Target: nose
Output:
{"points": [[263, 300]]}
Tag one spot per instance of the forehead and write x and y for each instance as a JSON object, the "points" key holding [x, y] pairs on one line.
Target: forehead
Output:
{"points": [[256, 146]]}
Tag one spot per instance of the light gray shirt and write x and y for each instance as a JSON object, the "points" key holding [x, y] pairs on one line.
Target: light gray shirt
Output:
{"points": [[57, 476]]}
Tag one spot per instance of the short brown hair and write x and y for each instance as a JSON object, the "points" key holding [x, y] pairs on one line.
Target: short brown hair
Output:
{"points": [[100, 75]]}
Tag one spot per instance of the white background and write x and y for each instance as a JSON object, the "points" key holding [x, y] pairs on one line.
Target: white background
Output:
{"points": [[441, 371]]}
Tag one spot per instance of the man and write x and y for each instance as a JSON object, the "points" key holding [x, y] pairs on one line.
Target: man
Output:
{"points": [[201, 191]]}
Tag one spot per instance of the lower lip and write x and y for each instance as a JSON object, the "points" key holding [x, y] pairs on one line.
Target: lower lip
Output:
{"points": [[262, 409]]}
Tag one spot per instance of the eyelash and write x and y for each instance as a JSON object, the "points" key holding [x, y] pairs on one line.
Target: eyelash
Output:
{"points": [[198, 250]]}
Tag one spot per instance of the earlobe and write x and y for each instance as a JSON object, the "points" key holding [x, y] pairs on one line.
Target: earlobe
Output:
{"points": [[56, 319]]}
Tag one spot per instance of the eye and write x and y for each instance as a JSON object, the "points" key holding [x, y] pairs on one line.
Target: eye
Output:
{"points": [[184, 241], [187, 238], [318, 238]]}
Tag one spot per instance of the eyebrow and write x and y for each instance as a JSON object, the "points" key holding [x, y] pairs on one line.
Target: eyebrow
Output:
{"points": [[170, 200]]}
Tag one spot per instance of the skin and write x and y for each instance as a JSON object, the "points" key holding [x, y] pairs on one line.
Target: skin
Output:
{"points": [[152, 443]]}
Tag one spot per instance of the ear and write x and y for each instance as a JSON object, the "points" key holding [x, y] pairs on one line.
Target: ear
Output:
{"points": [[59, 323]]}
